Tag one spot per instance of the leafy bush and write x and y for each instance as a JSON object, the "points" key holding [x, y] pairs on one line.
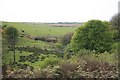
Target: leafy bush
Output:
{"points": [[111, 58], [4, 26], [115, 35], [101, 57], [31, 58], [83, 52], [49, 61], [76, 67], [11, 34], [93, 35]]}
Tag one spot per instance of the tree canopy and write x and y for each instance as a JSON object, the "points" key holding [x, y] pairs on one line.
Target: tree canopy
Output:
{"points": [[11, 34]]}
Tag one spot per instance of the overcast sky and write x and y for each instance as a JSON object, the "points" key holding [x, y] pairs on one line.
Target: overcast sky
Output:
{"points": [[57, 10]]}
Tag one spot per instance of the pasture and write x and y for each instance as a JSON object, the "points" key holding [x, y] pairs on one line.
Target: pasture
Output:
{"points": [[41, 29], [34, 29]]}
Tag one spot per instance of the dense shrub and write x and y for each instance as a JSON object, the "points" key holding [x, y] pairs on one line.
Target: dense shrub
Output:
{"points": [[31, 58], [101, 57], [115, 35], [11, 35], [4, 26], [85, 52], [38, 50], [75, 67], [51, 61], [109, 58], [93, 35], [66, 38]]}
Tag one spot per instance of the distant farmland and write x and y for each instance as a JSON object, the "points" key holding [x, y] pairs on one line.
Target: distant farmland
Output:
{"points": [[65, 24]]}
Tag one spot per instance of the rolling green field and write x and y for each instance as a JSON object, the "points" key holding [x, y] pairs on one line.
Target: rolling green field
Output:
{"points": [[41, 29], [38, 29]]}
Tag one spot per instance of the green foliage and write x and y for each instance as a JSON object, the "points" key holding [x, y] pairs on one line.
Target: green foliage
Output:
{"points": [[29, 42], [115, 47], [107, 57], [87, 66], [115, 34], [11, 35], [82, 52], [51, 61], [93, 35], [4, 26]]}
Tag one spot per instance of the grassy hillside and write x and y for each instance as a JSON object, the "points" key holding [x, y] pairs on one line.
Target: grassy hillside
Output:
{"points": [[34, 30]]}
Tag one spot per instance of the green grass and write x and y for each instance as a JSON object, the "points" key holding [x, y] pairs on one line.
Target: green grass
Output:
{"points": [[41, 29], [8, 57], [30, 42]]}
